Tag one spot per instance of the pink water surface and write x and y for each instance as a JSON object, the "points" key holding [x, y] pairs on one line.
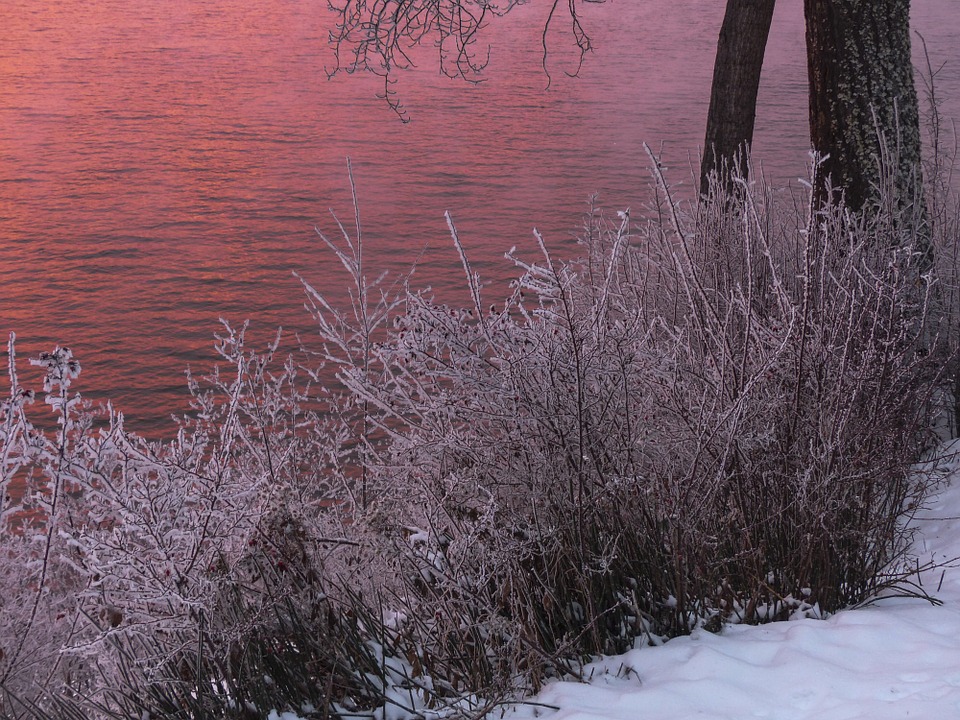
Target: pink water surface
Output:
{"points": [[164, 164]]}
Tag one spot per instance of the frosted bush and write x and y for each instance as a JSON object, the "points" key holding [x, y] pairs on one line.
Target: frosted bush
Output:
{"points": [[135, 570], [708, 417]]}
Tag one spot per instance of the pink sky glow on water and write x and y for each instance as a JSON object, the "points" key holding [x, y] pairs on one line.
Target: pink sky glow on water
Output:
{"points": [[164, 164]]}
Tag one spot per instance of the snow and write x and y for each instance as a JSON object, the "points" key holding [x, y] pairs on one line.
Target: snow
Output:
{"points": [[274, 715], [898, 657]]}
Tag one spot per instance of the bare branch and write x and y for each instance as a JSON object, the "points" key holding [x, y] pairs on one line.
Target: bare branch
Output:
{"points": [[379, 36]]}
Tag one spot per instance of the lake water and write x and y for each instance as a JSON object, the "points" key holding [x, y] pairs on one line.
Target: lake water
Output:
{"points": [[164, 164]]}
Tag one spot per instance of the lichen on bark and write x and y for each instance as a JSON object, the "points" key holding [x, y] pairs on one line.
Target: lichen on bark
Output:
{"points": [[863, 101]]}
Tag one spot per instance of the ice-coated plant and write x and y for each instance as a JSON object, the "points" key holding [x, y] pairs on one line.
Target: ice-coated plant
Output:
{"points": [[712, 415], [706, 418], [153, 577]]}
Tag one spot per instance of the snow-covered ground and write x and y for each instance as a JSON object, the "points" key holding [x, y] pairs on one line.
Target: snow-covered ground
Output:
{"points": [[897, 658]]}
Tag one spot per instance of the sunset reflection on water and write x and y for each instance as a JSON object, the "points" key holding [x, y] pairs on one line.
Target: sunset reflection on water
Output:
{"points": [[164, 165]]}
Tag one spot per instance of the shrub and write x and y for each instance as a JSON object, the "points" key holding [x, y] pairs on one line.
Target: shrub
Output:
{"points": [[706, 418], [170, 579], [710, 416]]}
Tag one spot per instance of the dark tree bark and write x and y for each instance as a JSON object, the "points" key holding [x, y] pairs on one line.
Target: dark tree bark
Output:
{"points": [[862, 88], [736, 80]]}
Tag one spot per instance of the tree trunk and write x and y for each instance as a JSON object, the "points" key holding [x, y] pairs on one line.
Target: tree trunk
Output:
{"points": [[736, 79], [862, 89]]}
